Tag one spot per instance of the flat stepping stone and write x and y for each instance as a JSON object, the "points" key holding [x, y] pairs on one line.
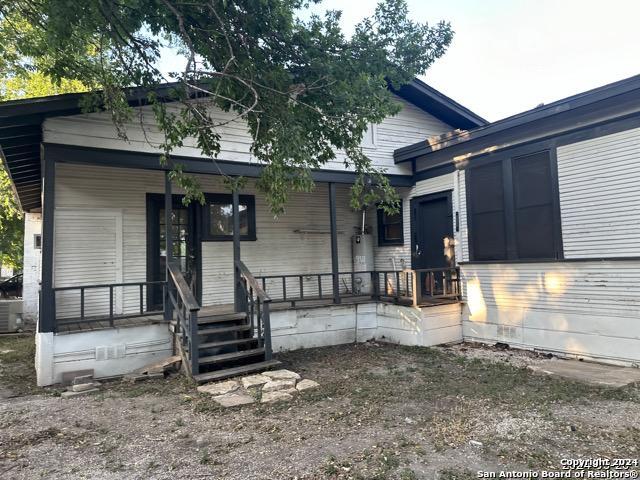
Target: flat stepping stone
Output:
{"points": [[275, 385], [254, 381], [234, 399], [277, 396], [219, 388], [72, 394], [306, 384], [282, 375]]}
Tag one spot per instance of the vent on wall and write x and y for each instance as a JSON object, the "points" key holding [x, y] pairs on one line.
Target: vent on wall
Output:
{"points": [[507, 332], [110, 352]]}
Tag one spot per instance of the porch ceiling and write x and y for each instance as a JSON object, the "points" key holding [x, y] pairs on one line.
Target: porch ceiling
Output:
{"points": [[21, 136]]}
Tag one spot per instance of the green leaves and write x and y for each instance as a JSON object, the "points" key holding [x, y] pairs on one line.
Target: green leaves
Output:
{"points": [[11, 224], [305, 91]]}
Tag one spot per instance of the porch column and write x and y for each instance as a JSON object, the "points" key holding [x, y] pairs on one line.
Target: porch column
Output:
{"points": [[334, 243], [168, 239], [237, 299], [47, 316]]}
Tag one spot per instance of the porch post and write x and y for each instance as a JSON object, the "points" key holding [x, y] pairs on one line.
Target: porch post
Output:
{"points": [[47, 315], [334, 243], [237, 300], [168, 239]]}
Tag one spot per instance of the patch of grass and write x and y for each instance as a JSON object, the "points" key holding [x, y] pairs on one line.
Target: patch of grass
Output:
{"points": [[17, 371], [451, 429], [408, 474], [456, 474], [205, 458]]}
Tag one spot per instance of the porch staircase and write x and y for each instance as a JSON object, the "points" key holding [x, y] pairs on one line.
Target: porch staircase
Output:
{"points": [[215, 346]]}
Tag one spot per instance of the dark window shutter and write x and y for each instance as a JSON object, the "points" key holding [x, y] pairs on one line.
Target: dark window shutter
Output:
{"points": [[487, 210], [533, 206]]}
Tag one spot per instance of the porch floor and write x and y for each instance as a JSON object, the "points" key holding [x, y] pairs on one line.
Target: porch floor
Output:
{"points": [[77, 325]]}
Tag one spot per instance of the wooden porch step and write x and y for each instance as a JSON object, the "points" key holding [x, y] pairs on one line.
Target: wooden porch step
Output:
{"points": [[227, 317], [226, 343], [235, 371], [234, 328], [226, 357]]}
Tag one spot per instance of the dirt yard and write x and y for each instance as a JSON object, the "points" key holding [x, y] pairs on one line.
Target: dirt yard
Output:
{"points": [[382, 412]]}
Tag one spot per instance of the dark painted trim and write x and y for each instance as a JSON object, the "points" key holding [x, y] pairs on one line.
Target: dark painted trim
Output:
{"points": [[150, 161], [334, 243], [526, 136], [555, 192], [168, 238], [414, 202], [382, 242], [433, 172], [552, 260], [248, 200], [611, 96], [506, 158], [235, 203], [154, 202], [47, 320], [439, 105]]}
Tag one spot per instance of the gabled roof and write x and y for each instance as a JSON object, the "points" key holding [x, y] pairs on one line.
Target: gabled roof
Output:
{"points": [[21, 127], [439, 105], [545, 113]]}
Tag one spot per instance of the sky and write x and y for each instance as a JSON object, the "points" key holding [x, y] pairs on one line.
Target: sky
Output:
{"points": [[508, 56]]}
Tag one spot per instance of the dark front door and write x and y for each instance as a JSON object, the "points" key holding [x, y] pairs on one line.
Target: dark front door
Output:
{"points": [[432, 238], [183, 235]]}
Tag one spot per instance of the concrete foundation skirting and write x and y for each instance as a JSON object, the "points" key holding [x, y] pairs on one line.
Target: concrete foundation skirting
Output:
{"points": [[121, 350], [107, 352], [606, 339]]}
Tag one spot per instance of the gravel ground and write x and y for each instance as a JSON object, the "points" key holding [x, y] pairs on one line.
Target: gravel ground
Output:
{"points": [[382, 411]]}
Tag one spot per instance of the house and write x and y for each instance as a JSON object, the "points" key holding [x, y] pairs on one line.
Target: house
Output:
{"points": [[547, 223], [521, 231], [98, 211]]}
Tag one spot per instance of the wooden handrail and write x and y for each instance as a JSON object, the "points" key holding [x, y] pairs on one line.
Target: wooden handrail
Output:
{"points": [[251, 280], [183, 289]]}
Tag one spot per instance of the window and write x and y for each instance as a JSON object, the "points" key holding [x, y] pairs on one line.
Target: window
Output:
{"points": [[390, 228], [218, 217], [512, 205]]}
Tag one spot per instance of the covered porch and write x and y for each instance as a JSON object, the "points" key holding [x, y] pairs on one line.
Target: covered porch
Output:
{"points": [[220, 314]]}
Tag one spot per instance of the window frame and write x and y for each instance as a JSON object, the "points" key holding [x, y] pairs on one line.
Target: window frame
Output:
{"points": [[506, 159], [227, 198], [382, 241]]}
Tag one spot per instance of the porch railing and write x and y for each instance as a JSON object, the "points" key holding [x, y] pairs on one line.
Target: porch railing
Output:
{"points": [[184, 305], [256, 302], [101, 304], [415, 287]]}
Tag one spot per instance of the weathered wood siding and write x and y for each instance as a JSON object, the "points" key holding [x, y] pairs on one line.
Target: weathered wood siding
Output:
{"points": [[585, 308], [96, 130], [92, 201]]}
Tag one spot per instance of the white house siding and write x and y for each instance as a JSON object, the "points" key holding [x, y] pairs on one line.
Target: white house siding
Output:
{"points": [[584, 308], [101, 235], [96, 130], [31, 266], [599, 197]]}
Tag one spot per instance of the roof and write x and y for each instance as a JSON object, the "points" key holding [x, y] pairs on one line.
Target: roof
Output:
{"points": [[21, 135], [439, 105], [542, 113], [21, 128]]}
